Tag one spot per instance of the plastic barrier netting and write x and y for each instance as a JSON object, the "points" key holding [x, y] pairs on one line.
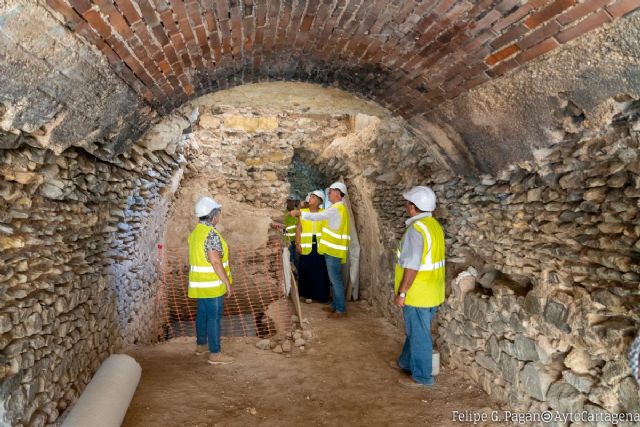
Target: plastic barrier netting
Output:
{"points": [[258, 306]]}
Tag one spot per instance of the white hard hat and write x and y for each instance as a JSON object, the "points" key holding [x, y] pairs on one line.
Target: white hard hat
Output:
{"points": [[423, 197], [339, 186], [205, 205], [318, 193], [293, 197]]}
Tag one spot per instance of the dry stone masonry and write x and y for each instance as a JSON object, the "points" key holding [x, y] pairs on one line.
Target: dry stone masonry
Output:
{"points": [[77, 276]]}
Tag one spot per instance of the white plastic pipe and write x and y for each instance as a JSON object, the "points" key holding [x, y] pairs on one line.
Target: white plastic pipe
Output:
{"points": [[105, 400]]}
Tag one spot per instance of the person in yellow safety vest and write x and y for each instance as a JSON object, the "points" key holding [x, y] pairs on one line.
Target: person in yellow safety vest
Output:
{"points": [[209, 279], [290, 225], [334, 244], [419, 285], [313, 279]]}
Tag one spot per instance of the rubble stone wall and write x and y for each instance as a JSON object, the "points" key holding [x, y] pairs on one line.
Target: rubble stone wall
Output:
{"points": [[77, 240], [546, 318]]}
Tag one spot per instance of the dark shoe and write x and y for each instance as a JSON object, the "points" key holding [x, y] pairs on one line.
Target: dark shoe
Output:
{"points": [[336, 315], [328, 309], [411, 383]]}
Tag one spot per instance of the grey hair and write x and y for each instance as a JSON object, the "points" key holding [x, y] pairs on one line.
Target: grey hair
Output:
{"points": [[214, 213]]}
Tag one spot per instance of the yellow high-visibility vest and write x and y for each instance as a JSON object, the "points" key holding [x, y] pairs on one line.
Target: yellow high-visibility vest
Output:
{"points": [[203, 280], [290, 223], [309, 229], [335, 242], [427, 289]]}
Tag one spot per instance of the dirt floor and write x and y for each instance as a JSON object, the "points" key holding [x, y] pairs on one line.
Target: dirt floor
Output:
{"points": [[341, 378]]}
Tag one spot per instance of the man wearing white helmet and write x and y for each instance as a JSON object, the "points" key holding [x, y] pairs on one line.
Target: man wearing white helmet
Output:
{"points": [[419, 284], [333, 244], [209, 279]]}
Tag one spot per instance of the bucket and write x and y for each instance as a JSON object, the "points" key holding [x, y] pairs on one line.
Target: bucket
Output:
{"points": [[435, 363]]}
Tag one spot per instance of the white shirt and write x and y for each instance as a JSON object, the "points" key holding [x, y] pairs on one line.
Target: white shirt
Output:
{"points": [[332, 215], [412, 244]]}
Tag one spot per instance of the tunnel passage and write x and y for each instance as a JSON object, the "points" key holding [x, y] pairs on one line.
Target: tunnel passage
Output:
{"points": [[523, 117]]}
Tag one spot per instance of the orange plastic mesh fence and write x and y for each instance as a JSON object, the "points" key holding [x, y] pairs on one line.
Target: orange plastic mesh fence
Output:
{"points": [[258, 306]]}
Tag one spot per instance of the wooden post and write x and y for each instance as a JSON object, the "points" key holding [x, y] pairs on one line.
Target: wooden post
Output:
{"points": [[296, 299]]}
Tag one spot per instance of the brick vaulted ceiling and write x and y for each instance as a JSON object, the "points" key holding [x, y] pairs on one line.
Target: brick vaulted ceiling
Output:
{"points": [[409, 55]]}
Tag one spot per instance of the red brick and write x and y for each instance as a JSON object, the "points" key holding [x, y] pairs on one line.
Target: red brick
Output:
{"points": [[502, 54], [503, 67], [591, 22], [509, 36], [580, 10], [306, 23], [476, 81], [80, 5], [622, 7], [443, 6], [512, 18], [128, 10], [485, 22], [97, 23], [73, 19], [119, 24], [550, 29], [537, 50], [548, 12]]}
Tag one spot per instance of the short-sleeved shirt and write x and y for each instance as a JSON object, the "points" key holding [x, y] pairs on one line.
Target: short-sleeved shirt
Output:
{"points": [[412, 244], [212, 242]]}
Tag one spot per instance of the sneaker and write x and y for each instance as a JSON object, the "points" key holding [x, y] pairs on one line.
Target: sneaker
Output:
{"points": [[201, 349], [329, 309], [219, 359], [411, 383], [336, 315], [308, 300]]}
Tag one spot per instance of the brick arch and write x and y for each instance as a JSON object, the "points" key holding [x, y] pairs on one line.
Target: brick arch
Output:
{"points": [[408, 55]]}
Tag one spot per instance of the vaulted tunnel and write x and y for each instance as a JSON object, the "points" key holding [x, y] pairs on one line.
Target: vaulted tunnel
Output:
{"points": [[522, 115]]}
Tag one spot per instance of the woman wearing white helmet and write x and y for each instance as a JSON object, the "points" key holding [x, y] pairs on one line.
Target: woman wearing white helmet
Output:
{"points": [[312, 268], [209, 279]]}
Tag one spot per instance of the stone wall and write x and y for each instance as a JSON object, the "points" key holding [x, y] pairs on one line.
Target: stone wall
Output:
{"points": [[77, 280], [547, 320]]}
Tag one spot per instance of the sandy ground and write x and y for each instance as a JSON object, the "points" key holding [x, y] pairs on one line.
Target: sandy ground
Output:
{"points": [[341, 378]]}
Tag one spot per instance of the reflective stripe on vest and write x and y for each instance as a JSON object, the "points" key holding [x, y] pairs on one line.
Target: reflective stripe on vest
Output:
{"points": [[309, 229], [428, 288], [290, 223], [203, 280], [335, 242]]}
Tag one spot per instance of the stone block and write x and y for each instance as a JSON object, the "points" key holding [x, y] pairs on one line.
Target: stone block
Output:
{"points": [[565, 398], [614, 370], [487, 362], [525, 348], [510, 368], [579, 361], [582, 383], [556, 313], [629, 395], [535, 380]]}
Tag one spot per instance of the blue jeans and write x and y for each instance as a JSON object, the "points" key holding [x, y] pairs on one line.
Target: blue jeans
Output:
{"points": [[334, 268], [418, 348], [208, 320]]}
